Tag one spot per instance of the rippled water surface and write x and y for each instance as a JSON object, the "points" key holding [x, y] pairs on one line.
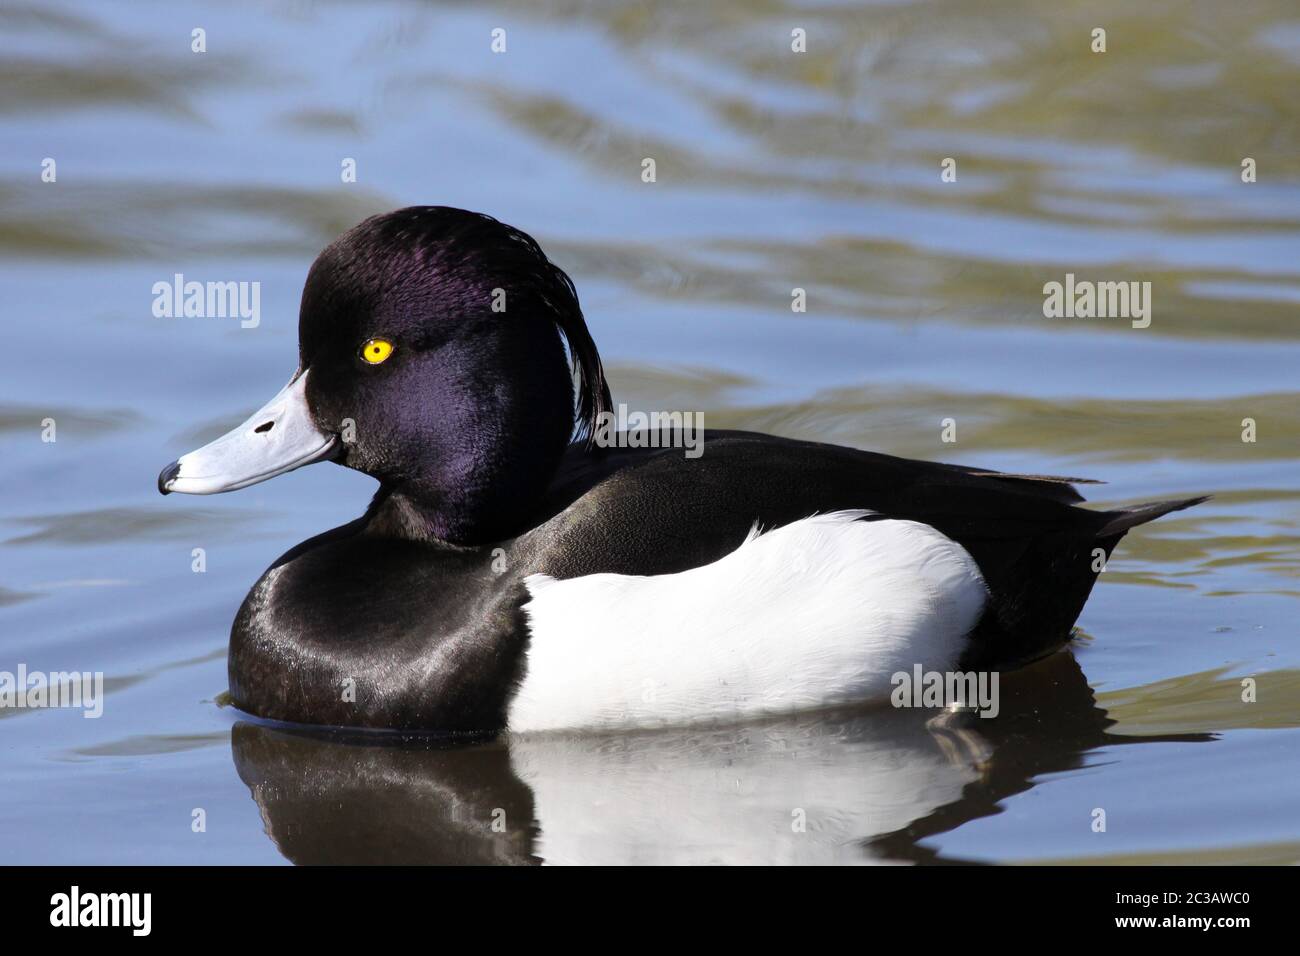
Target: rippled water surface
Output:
{"points": [[775, 170]]}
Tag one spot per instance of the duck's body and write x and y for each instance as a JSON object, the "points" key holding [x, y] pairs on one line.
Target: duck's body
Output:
{"points": [[429, 634], [508, 582]]}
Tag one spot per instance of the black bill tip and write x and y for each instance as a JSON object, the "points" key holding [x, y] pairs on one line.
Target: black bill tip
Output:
{"points": [[167, 476]]}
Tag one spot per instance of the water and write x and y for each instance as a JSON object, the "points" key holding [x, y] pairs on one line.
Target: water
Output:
{"points": [[774, 171]]}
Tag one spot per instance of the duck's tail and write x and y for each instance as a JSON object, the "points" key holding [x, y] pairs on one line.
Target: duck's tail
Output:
{"points": [[1122, 521]]}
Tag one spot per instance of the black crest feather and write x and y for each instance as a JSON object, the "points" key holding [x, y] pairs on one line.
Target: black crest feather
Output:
{"points": [[593, 390]]}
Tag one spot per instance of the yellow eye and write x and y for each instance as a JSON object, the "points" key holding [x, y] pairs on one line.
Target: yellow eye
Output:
{"points": [[376, 350]]}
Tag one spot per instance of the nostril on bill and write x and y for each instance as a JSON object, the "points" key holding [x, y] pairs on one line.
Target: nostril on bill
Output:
{"points": [[264, 427]]}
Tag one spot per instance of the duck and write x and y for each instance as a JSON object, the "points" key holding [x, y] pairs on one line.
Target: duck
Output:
{"points": [[514, 574]]}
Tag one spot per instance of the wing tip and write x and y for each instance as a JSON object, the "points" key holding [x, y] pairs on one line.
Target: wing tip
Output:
{"points": [[1122, 521]]}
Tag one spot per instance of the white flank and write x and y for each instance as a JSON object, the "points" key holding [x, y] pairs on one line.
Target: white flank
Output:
{"points": [[819, 612]]}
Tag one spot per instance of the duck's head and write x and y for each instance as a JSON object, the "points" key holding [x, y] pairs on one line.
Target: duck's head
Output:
{"points": [[429, 357]]}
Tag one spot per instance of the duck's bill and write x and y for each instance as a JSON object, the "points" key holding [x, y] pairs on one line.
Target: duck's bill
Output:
{"points": [[280, 436]]}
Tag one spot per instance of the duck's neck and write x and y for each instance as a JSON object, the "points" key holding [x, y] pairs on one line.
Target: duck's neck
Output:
{"points": [[396, 513], [465, 506]]}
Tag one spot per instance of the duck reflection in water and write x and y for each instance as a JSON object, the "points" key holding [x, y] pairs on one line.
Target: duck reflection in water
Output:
{"points": [[833, 787]]}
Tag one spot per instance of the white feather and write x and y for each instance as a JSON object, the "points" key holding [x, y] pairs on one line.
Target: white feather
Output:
{"points": [[816, 613]]}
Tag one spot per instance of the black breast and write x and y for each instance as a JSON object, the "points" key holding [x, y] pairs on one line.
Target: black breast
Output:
{"points": [[368, 631]]}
